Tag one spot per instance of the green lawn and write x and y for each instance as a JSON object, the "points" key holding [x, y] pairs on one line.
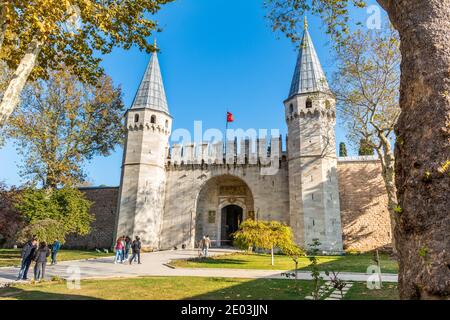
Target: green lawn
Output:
{"points": [[179, 288], [11, 257], [349, 262]]}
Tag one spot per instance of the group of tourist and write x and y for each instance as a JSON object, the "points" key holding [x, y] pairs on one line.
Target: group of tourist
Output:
{"points": [[32, 251], [122, 248]]}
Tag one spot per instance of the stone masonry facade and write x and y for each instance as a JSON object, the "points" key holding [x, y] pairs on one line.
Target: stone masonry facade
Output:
{"points": [[104, 210], [365, 219], [363, 199]]}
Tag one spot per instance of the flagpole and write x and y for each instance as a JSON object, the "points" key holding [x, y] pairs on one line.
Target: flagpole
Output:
{"points": [[225, 136], [226, 123]]}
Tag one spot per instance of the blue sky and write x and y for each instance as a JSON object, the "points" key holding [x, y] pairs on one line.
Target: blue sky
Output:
{"points": [[215, 54]]}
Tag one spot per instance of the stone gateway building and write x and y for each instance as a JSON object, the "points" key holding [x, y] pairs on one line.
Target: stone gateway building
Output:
{"points": [[174, 195]]}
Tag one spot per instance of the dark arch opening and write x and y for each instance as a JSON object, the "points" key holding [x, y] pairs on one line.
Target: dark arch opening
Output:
{"points": [[217, 193], [136, 118], [232, 216], [308, 103], [153, 119]]}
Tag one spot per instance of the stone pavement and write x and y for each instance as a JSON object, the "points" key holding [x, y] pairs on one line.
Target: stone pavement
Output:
{"points": [[336, 294], [154, 264]]}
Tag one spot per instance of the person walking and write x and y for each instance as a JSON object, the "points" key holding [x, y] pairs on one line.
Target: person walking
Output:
{"points": [[201, 247], [128, 244], [55, 248], [123, 248], [27, 256], [206, 244], [119, 251], [40, 257], [136, 249]]}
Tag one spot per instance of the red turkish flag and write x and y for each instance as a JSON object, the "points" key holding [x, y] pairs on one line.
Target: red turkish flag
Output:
{"points": [[230, 117]]}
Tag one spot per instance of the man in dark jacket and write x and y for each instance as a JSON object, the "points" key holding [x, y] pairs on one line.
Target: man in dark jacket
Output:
{"points": [[136, 248], [127, 248], [27, 255], [41, 261], [55, 248]]}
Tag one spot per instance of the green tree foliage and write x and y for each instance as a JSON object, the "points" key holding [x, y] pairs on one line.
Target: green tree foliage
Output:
{"points": [[37, 36], [366, 84], [342, 149], [287, 15], [266, 235], [47, 230], [54, 213], [365, 148], [62, 123], [11, 221]]}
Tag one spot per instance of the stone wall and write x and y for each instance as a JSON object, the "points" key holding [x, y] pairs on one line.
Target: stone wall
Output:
{"points": [[363, 200], [184, 185], [104, 208], [364, 215]]}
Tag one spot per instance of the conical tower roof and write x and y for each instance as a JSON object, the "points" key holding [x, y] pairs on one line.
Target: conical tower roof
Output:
{"points": [[151, 93], [308, 75]]}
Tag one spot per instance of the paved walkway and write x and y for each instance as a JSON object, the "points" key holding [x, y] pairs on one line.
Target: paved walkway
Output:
{"points": [[154, 264]]}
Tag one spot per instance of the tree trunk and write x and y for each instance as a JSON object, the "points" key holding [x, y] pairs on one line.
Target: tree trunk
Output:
{"points": [[388, 172], [389, 181], [271, 251], [11, 95], [422, 150]]}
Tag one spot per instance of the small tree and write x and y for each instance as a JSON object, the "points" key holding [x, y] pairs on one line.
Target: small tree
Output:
{"points": [[266, 235], [365, 148], [294, 252], [366, 86], [336, 283], [11, 221], [376, 259], [54, 213], [315, 272], [342, 150], [62, 123]]}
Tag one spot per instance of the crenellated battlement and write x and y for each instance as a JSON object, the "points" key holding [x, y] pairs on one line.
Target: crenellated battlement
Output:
{"points": [[310, 106], [263, 152], [313, 113], [156, 128]]}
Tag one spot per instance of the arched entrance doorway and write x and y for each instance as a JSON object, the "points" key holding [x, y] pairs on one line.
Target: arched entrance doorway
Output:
{"points": [[232, 216], [223, 203]]}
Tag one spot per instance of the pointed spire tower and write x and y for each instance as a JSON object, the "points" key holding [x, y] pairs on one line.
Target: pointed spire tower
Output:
{"points": [[142, 187], [313, 186], [151, 93], [308, 75]]}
